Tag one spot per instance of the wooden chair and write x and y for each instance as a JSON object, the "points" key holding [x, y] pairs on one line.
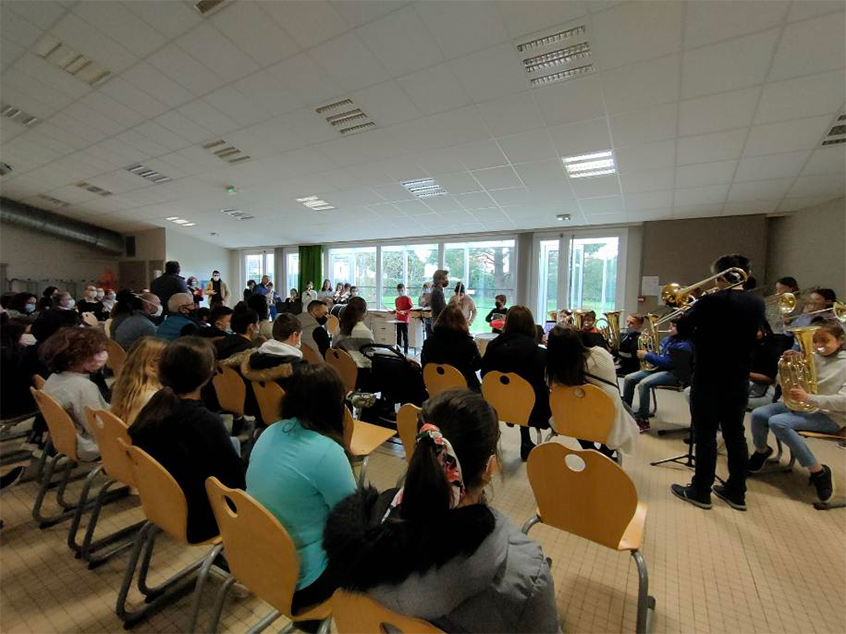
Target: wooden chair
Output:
{"points": [[346, 367], [107, 327], [269, 396], [597, 502], [231, 389], [582, 411], [356, 613], [38, 381], [332, 325], [167, 511], [440, 377], [511, 396], [261, 555], [117, 356], [363, 439], [311, 355], [407, 428]]}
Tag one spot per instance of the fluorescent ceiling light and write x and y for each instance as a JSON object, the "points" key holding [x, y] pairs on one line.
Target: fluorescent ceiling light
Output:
{"points": [[589, 165], [556, 58], [172, 218], [595, 173], [561, 75], [551, 39], [189, 224], [315, 203], [180, 221], [424, 187]]}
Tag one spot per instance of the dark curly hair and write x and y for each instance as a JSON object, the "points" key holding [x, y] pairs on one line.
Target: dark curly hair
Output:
{"points": [[70, 346]]}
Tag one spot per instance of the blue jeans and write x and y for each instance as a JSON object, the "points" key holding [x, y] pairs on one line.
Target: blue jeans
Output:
{"points": [[784, 424], [643, 380]]}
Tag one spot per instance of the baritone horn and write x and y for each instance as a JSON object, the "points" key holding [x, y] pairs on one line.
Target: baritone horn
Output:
{"points": [[648, 340], [611, 329], [799, 370]]}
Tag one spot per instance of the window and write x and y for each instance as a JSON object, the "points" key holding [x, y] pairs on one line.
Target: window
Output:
{"points": [[292, 273], [593, 273], [258, 264], [548, 280], [356, 265], [409, 265]]}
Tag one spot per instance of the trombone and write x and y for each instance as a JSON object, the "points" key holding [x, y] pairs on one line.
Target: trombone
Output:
{"points": [[682, 298], [837, 310]]}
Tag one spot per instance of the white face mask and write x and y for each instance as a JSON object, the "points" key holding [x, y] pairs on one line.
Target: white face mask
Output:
{"points": [[100, 294], [92, 294], [402, 293], [159, 311], [215, 277], [71, 303]]}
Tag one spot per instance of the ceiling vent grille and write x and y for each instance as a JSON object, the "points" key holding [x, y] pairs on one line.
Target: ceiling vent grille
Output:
{"points": [[18, 115], [66, 59], [204, 7], [557, 56], [424, 187], [146, 172], [94, 189], [237, 214], [53, 201], [837, 132], [226, 152], [346, 116]]}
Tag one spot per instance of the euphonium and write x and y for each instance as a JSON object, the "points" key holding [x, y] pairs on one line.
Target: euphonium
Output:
{"points": [[611, 330], [578, 318], [648, 340], [799, 371]]}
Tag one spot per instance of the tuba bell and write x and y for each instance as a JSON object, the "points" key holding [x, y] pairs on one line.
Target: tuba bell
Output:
{"points": [[799, 371], [578, 318], [611, 329], [648, 340]]}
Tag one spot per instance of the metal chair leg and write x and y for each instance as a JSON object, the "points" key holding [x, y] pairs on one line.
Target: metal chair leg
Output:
{"points": [[219, 600], [539, 435], [531, 522], [645, 603], [198, 590], [67, 513], [362, 471], [80, 510], [268, 619], [141, 541]]}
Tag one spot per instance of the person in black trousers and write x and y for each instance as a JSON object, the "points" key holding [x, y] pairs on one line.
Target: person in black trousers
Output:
{"points": [[723, 327]]}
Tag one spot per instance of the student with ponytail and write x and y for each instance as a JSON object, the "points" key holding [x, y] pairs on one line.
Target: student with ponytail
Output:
{"points": [[434, 549], [187, 439]]}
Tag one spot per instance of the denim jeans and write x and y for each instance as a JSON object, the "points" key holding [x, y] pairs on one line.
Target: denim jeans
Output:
{"points": [[784, 424], [643, 380], [760, 401]]}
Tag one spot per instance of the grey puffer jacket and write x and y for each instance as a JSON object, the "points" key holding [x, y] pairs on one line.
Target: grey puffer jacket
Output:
{"points": [[469, 570]]}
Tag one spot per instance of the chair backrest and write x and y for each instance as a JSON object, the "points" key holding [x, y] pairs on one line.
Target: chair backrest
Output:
{"points": [[59, 423], [440, 377], [162, 498], [596, 502], [259, 551], [107, 327], [407, 428], [311, 355], [355, 613], [349, 427], [510, 395], [107, 428], [332, 324], [38, 381], [117, 356], [344, 364], [230, 388], [582, 411], [269, 397]]}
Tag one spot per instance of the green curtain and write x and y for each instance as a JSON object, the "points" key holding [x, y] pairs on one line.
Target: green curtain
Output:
{"points": [[311, 266]]}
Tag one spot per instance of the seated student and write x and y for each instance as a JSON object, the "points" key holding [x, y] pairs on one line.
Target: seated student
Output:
{"points": [[452, 344], [299, 471], [180, 321], [139, 322], [497, 312], [775, 317], [309, 295], [249, 290], [817, 300], [435, 550], [293, 304], [340, 292], [764, 370], [244, 323], [589, 322], [72, 354], [569, 362], [277, 359], [187, 439], [325, 293], [626, 355], [402, 310], [139, 380], [23, 307], [202, 315], [220, 319], [661, 375], [265, 327], [90, 304], [517, 350], [109, 300], [314, 333], [48, 298], [830, 360], [352, 333]]}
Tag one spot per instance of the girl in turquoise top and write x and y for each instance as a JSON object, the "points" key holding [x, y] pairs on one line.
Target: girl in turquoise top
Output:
{"points": [[299, 471]]}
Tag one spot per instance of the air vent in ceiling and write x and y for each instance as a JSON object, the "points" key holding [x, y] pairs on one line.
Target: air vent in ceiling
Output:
{"points": [[204, 7], [226, 152], [5, 168], [346, 116], [424, 187], [53, 201], [237, 214], [94, 189], [18, 115], [146, 172], [70, 61], [557, 56], [837, 132]]}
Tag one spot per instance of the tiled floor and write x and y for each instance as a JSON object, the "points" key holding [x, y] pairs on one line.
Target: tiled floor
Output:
{"points": [[780, 567]]}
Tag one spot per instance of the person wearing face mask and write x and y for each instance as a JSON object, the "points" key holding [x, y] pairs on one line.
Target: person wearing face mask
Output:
{"points": [[309, 295], [277, 359], [168, 283], [313, 323], [219, 323], [195, 290], [216, 291], [109, 301], [23, 308], [90, 304], [440, 280], [402, 309], [180, 321], [64, 301], [497, 312], [140, 322], [72, 354], [244, 324]]}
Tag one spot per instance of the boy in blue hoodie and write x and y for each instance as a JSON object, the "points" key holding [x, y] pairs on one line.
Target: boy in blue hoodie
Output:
{"points": [[661, 375]]}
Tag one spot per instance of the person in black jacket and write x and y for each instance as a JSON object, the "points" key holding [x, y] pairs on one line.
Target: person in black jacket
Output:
{"points": [[187, 439], [497, 312], [452, 344], [626, 354], [169, 283], [516, 350], [244, 324]]}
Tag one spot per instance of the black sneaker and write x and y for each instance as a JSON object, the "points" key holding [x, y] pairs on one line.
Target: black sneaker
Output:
{"points": [[687, 494], [737, 502], [758, 460], [823, 483], [642, 424]]}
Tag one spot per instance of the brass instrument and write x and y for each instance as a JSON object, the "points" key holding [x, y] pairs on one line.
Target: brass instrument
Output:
{"points": [[648, 340], [799, 371], [786, 302], [578, 319], [677, 296], [837, 310], [611, 329]]}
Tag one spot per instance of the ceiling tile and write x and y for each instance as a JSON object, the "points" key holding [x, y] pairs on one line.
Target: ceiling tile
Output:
{"points": [[645, 201], [475, 200], [461, 28], [801, 97], [810, 47], [582, 137], [786, 136], [602, 205], [209, 47], [644, 84], [386, 103], [723, 111], [364, 11], [401, 42], [512, 196], [132, 97], [348, 61], [252, 30], [534, 145], [309, 23], [648, 156], [459, 183], [9, 52], [827, 160], [440, 161], [773, 189], [302, 76], [497, 178], [716, 146], [750, 207], [637, 31], [643, 126], [413, 207], [268, 93], [491, 73], [237, 106], [18, 29], [169, 18], [156, 84], [796, 204], [705, 174], [120, 24], [804, 9], [478, 156], [42, 14], [713, 21], [664, 213], [209, 117], [48, 75], [184, 126], [773, 166], [571, 100], [647, 180], [444, 204], [597, 186], [697, 211], [707, 195], [435, 89], [541, 173], [511, 114], [544, 15], [110, 108], [83, 37], [830, 185], [185, 70]]}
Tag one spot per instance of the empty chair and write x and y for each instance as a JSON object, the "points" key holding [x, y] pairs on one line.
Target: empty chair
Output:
{"points": [[230, 389], [363, 439], [356, 613], [587, 494], [311, 355], [117, 356], [345, 365], [440, 377], [332, 324], [511, 396], [269, 397]]}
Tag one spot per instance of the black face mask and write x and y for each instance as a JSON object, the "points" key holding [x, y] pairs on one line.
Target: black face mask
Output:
{"points": [[321, 320]]}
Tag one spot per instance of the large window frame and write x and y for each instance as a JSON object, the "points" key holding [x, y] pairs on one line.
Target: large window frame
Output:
{"points": [[266, 260]]}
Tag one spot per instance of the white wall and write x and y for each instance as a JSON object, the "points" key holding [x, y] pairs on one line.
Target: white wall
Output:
{"points": [[197, 257], [810, 245]]}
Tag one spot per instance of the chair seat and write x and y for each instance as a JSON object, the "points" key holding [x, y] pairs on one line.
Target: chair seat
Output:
{"points": [[838, 435], [633, 537], [673, 388], [318, 612], [366, 438]]}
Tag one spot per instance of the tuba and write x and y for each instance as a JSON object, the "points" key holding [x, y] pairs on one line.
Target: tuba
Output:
{"points": [[578, 318], [799, 371], [611, 329], [648, 340]]}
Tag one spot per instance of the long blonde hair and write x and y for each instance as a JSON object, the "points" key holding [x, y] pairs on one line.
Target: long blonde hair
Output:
{"points": [[137, 379]]}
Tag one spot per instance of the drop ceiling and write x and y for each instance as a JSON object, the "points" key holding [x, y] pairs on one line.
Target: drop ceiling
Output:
{"points": [[710, 108]]}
